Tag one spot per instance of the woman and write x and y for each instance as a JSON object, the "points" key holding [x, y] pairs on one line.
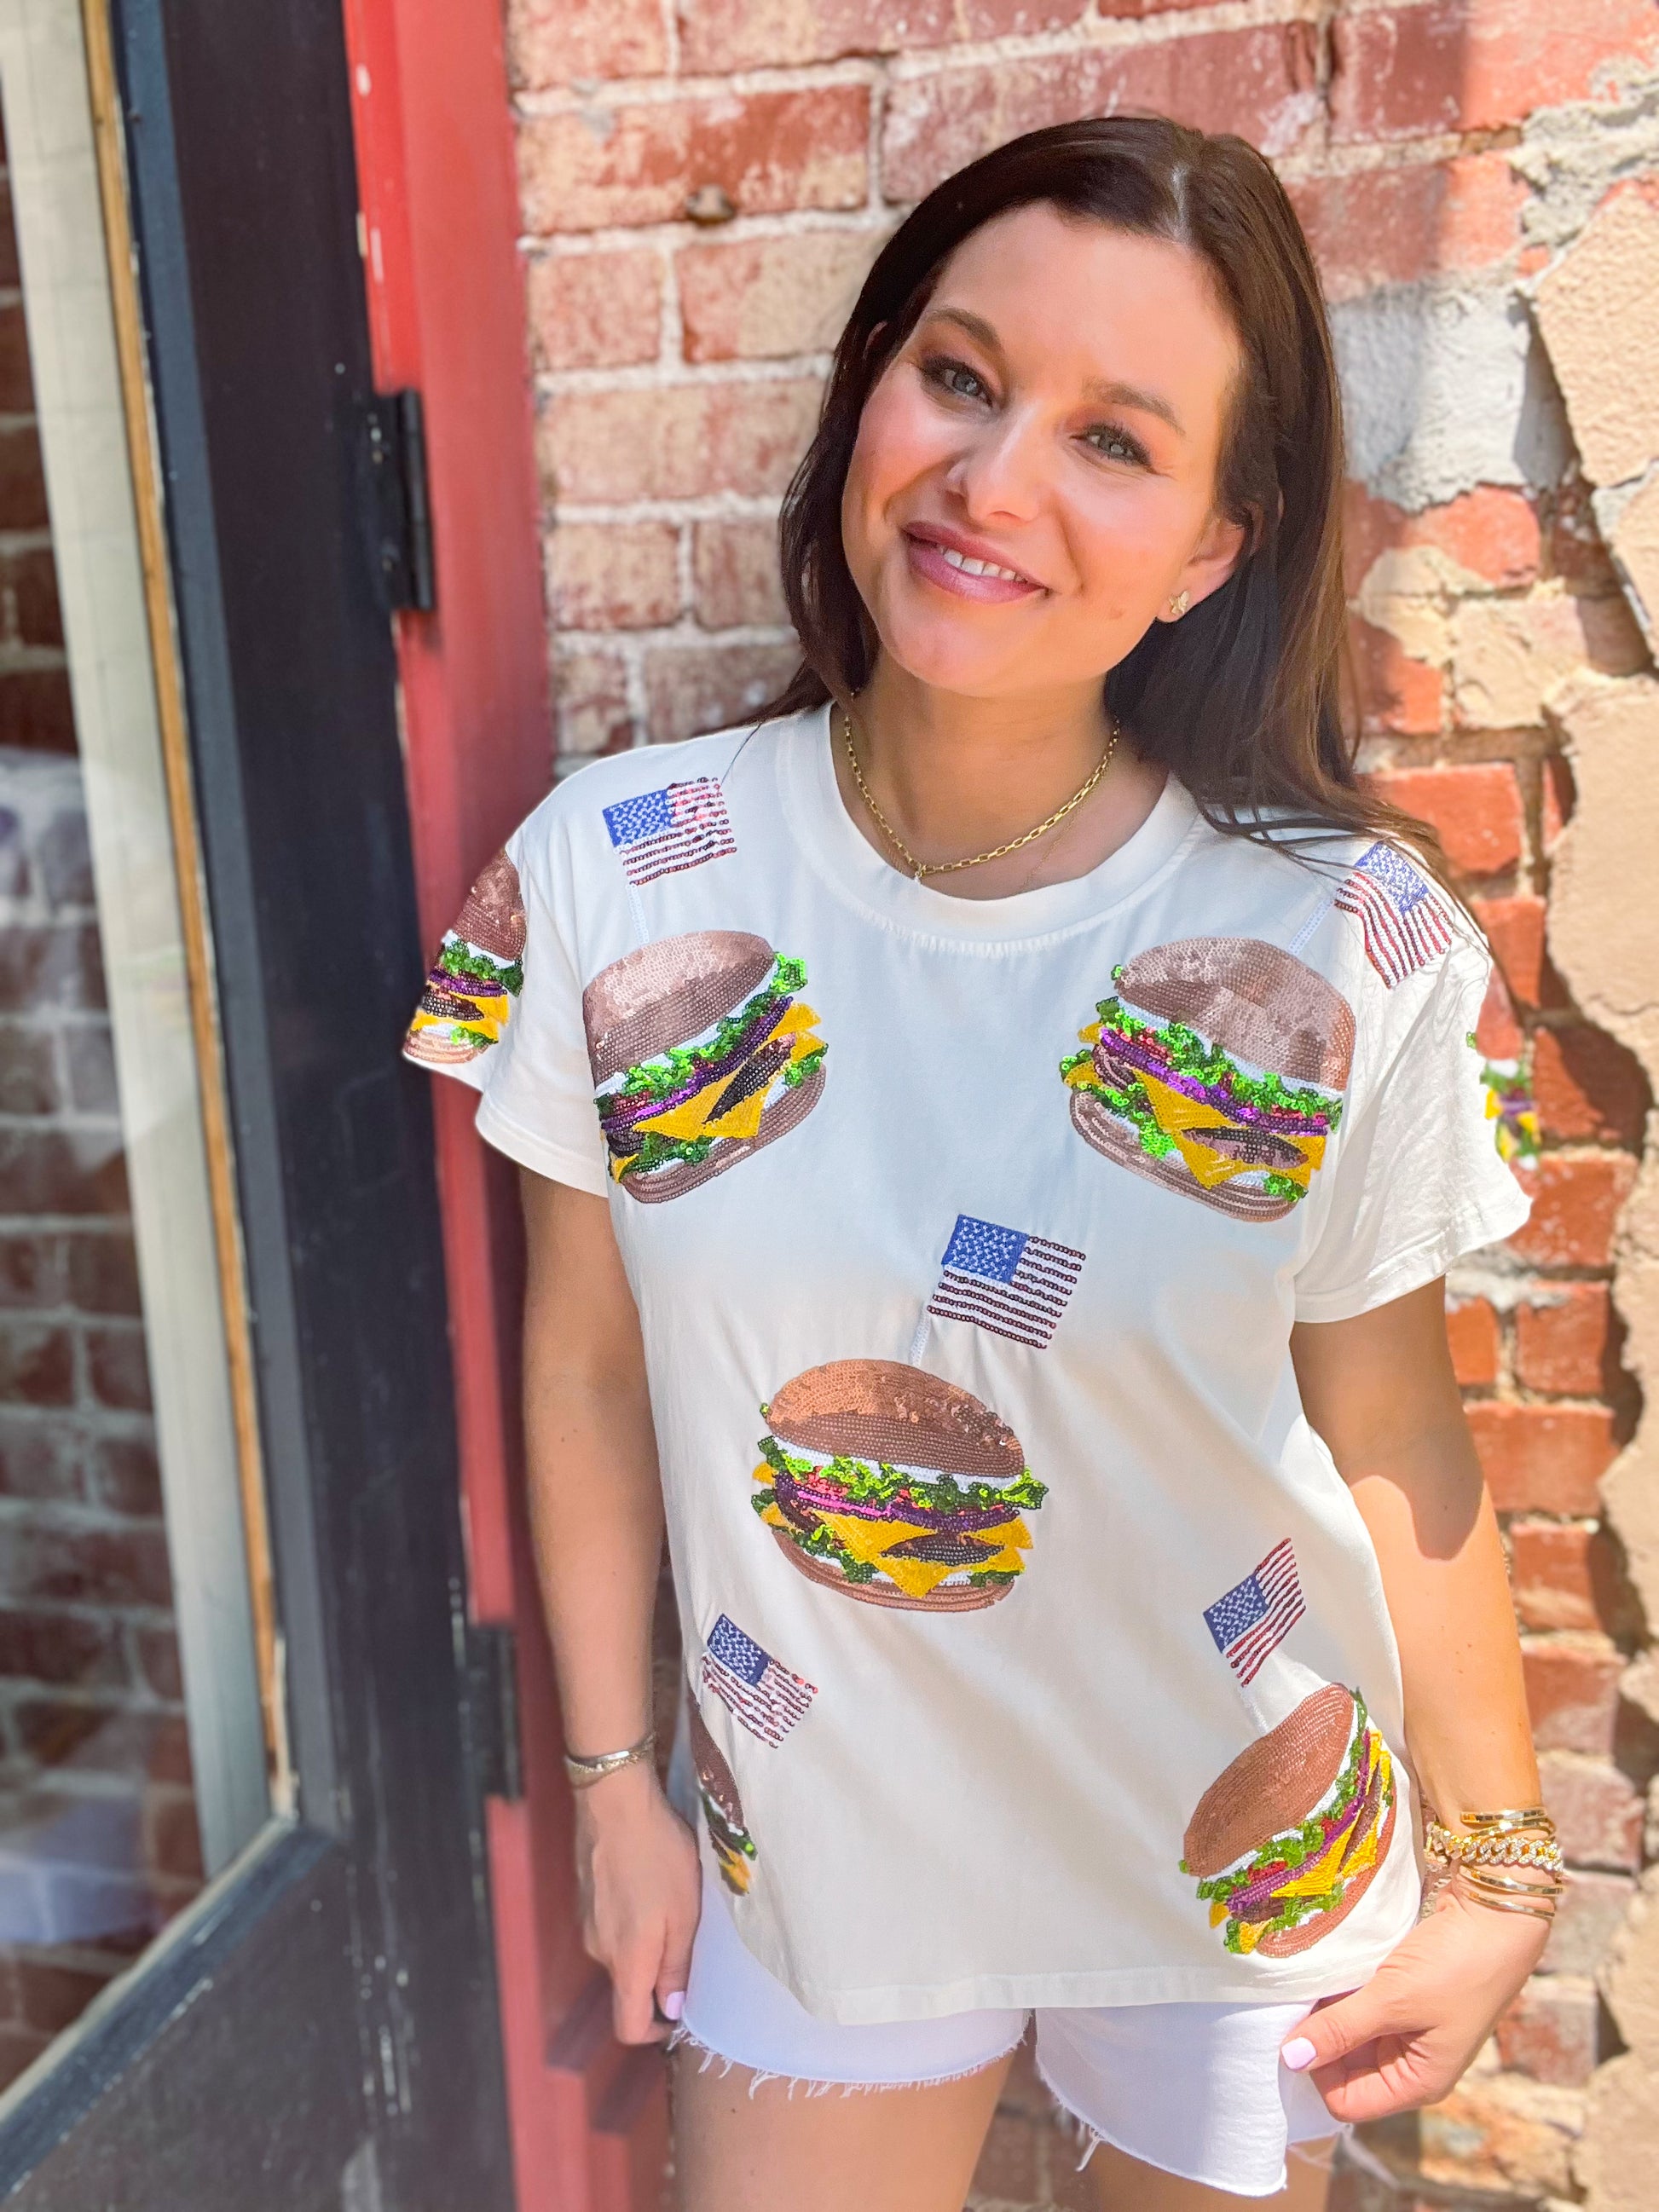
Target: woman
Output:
{"points": [[1035, 1114]]}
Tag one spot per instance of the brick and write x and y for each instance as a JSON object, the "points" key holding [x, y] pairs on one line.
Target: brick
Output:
{"points": [[40, 1460], [103, 1274], [1596, 1809], [36, 711], [555, 41], [54, 1995], [64, 856], [85, 1565], [37, 1363], [9, 273], [29, 1069], [89, 1055], [31, 1271], [54, 1647], [734, 569], [695, 687], [1515, 931], [766, 151], [18, 2049], [43, 967], [1573, 1693], [682, 441], [124, 1474], [1558, 795], [1491, 532], [175, 1837], [28, 579], [1592, 1909], [1509, 655], [158, 1658], [1397, 694], [595, 310], [1474, 65], [16, 392], [763, 298], [43, 1171], [1258, 83], [22, 479], [1394, 226], [1576, 1202], [1471, 1331], [1589, 1085], [14, 856], [1551, 2031], [1564, 1575], [590, 711], [117, 1366], [1564, 1342], [1543, 1459], [1476, 811], [1498, 1032], [717, 36], [614, 576]]}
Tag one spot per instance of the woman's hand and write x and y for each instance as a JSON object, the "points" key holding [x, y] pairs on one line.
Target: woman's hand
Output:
{"points": [[641, 1890], [1407, 2036]]}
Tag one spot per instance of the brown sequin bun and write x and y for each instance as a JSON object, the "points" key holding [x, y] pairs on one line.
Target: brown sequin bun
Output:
{"points": [[1245, 1000], [1287, 1840], [664, 999], [895, 1487], [493, 917]]}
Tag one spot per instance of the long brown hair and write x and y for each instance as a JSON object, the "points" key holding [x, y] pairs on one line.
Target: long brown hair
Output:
{"points": [[1243, 698]]}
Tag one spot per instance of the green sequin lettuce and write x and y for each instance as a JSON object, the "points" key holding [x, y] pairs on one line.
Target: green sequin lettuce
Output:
{"points": [[1292, 1850], [1193, 1055], [456, 958], [861, 1484], [669, 1072]]}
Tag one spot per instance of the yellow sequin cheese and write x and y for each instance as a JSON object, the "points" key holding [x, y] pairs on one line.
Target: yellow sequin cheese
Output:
{"points": [[695, 1117]]}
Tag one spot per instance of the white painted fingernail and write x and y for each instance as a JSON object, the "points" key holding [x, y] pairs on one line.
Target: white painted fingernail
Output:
{"points": [[674, 2004], [1298, 2053]]}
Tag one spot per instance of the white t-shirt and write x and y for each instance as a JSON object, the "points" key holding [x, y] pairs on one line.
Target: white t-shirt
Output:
{"points": [[1036, 1651]]}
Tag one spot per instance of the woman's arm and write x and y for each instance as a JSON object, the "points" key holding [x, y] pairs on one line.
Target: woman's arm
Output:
{"points": [[595, 1516], [1381, 1391]]}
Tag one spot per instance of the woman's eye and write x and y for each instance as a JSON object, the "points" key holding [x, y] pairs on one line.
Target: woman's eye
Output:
{"points": [[956, 377], [1116, 445]]}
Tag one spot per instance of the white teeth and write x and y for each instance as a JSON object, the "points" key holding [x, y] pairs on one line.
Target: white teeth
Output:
{"points": [[979, 567]]}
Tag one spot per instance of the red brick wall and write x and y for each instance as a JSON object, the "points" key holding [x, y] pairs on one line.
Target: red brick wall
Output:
{"points": [[703, 184], [97, 1840]]}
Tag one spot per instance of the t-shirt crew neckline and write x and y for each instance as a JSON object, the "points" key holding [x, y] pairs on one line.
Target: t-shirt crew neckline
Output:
{"points": [[819, 820]]}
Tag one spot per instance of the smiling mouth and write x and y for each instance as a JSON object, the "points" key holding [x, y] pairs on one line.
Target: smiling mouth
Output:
{"points": [[982, 578]]}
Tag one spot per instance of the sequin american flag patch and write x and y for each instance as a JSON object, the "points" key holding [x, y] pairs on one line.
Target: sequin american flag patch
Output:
{"points": [[1255, 1616], [767, 1697], [1005, 1280], [661, 832], [1406, 921]]}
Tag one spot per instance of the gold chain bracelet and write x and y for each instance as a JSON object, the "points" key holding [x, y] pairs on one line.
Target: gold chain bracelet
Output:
{"points": [[1518, 1837]]}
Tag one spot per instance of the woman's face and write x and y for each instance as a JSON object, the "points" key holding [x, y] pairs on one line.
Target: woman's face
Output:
{"points": [[1034, 478]]}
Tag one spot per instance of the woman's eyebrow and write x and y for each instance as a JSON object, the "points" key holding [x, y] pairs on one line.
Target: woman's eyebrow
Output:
{"points": [[1114, 394]]}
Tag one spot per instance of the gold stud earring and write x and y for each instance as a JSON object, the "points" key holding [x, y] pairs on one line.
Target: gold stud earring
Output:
{"points": [[1179, 604]]}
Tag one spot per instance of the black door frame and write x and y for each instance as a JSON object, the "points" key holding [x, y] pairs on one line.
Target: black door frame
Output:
{"points": [[321, 2029]]}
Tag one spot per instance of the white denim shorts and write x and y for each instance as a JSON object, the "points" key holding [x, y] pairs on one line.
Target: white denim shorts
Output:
{"points": [[1196, 2090]]}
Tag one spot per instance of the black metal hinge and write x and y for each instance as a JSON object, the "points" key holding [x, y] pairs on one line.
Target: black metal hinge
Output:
{"points": [[492, 1702], [399, 515]]}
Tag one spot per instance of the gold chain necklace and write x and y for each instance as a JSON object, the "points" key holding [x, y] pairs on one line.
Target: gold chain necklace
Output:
{"points": [[922, 869]]}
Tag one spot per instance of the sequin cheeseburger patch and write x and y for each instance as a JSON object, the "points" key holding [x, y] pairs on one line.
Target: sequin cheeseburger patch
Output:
{"points": [[895, 1487], [1215, 1069], [702, 1050], [722, 1807], [479, 973], [1285, 1843]]}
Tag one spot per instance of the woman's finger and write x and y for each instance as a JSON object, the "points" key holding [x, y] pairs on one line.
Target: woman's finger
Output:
{"points": [[676, 1968], [1333, 2031], [633, 1989]]}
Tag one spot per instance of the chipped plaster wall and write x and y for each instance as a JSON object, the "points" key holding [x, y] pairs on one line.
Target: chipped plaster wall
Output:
{"points": [[703, 183]]}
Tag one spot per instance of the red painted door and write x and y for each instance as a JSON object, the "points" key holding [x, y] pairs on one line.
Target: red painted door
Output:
{"points": [[440, 218]]}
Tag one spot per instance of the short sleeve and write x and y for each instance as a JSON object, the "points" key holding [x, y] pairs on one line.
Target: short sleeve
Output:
{"points": [[501, 1010], [1417, 1181]]}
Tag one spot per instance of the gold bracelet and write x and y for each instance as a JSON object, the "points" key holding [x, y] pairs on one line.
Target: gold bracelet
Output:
{"points": [[1529, 1842], [1501, 1894], [585, 1772]]}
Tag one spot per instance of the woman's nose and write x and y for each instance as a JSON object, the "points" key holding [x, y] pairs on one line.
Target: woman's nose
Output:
{"points": [[1002, 471]]}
